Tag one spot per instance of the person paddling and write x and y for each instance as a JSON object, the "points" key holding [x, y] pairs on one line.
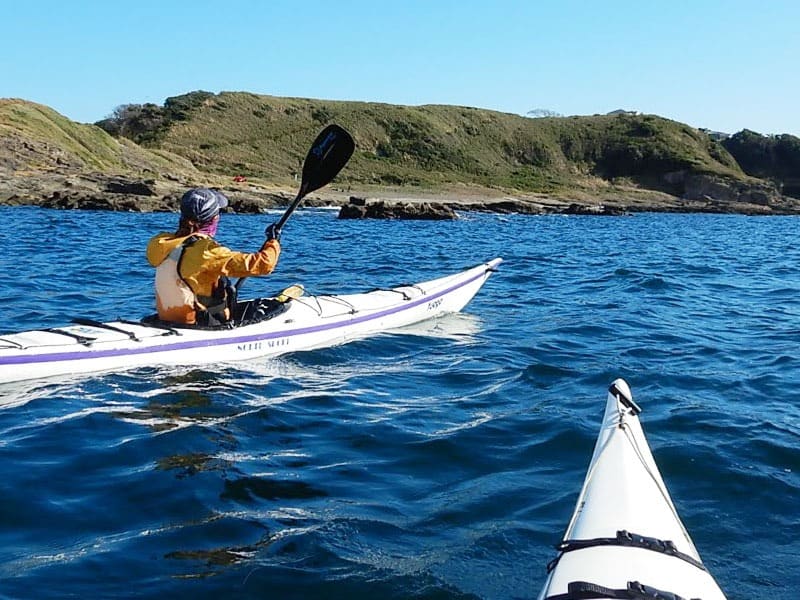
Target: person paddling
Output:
{"points": [[192, 269]]}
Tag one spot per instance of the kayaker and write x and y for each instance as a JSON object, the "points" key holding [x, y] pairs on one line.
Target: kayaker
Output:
{"points": [[192, 269]]}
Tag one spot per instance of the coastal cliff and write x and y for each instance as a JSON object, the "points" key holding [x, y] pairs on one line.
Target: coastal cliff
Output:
{"points": [[463, 158]]}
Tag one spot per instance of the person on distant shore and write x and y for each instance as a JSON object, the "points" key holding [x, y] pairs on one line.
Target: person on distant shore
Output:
{"points": [[192, 269]]}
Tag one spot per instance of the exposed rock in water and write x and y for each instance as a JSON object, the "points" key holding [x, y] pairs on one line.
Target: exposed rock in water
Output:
{"points": [[356, 201], [254, 204], [509, 207], [600, 209], [521, 207], [97, 191], [704, 193], [136, 188], [359, 208], [117, 201]]}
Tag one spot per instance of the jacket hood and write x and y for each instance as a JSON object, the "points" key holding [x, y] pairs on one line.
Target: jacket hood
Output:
{"points": [[161, 245]]}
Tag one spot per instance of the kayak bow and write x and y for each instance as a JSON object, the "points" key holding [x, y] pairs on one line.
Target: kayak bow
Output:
{"points": [[307, 322], [625, 538]]}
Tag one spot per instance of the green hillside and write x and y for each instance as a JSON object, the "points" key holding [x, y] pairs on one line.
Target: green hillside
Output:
{"points": [[237, 133], [205, 138], [34, 137], [773, 157]]}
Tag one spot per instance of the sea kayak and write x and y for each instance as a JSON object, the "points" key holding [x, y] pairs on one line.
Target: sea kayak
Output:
{"points": [[625, 538], [301, 323]]}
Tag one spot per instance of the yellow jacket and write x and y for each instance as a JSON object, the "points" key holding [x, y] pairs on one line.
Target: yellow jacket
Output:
{"points": [[204, 262]]}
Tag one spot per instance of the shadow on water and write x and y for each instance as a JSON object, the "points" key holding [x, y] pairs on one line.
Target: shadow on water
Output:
{"points": [[181, 399], [245, 489], [199, 404]]}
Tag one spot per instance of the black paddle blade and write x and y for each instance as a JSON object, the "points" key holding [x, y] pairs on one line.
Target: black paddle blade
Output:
{"points": [[328, 154]]}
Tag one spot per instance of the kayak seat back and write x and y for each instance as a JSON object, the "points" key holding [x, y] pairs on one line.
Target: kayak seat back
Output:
{"points": [[245, 313]]}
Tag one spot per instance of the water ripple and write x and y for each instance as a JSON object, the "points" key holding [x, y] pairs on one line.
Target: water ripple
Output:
{"points": [[442, 461]]}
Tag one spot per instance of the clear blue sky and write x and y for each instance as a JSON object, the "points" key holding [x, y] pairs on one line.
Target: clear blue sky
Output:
{"points": [[725, 65]]}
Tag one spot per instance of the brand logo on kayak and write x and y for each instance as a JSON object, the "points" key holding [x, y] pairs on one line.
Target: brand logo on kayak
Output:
{"points": [[254, 346], [434, 304]]}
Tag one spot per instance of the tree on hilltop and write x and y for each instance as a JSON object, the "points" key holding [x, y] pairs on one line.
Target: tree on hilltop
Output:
{"points": [[144, 122], [539, 113]]}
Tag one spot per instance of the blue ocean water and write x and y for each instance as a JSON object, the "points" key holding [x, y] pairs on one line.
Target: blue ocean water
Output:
{"points": [[443, 462]]}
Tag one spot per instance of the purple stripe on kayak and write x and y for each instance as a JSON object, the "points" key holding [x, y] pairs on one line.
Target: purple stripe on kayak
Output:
{"points": [[65, 356]]}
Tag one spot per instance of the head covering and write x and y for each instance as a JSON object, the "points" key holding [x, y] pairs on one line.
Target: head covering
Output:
{"points": [[201, 205]]}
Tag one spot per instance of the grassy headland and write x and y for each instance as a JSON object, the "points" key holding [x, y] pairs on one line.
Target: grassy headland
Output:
{"points": [[634, 160], [35, 138], [234, 133]]}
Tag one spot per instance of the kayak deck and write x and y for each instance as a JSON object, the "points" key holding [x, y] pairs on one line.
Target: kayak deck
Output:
{"points": [[307, 322], [625, 536]]}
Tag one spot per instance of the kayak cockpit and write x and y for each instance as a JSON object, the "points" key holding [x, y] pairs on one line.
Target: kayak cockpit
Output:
{"points": [[248, 312]]}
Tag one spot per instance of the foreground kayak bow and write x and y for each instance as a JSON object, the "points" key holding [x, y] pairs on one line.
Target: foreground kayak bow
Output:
{"points": [[625, 538]]}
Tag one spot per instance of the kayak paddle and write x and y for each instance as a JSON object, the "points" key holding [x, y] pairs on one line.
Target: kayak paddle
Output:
{"points": [[328, 155]]}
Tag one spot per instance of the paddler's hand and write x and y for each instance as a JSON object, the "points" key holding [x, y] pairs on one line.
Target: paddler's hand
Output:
{"points": [[273, 233]]}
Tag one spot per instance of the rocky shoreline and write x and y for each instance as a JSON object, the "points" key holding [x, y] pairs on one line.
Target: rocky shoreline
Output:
{"points": [[96, 191]]}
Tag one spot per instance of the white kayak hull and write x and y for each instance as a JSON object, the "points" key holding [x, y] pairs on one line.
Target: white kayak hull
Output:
{"points": [[309, 322], [624, 492]]}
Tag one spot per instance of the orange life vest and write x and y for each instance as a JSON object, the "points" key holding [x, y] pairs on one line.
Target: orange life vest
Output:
{"points": [[175, 300]]}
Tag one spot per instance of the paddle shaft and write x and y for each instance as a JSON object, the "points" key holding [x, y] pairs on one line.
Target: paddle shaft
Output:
{"points": [[279, 224], [328, 155], [288, 212]]}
